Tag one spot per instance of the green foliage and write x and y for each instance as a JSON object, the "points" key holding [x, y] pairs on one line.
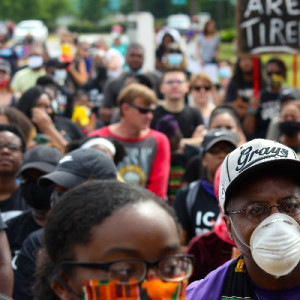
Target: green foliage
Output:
{"points": [[47, 11], [228, 35], [89, 27], [93, 10]]}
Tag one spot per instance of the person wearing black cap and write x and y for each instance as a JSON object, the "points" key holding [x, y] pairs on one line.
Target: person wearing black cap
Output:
{"points": [[79, 166], [75, 168], [57, 69], [38, 161], [196, 205]]}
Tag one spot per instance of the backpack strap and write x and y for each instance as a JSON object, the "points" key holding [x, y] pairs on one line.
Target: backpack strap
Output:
{"points": [[191, 195]]}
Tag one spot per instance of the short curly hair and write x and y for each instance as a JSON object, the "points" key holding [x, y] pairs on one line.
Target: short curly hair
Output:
{"points": [[16, 131]]}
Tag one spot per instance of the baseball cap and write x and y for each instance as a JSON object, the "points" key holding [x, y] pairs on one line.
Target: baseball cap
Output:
{"points": [[43, 158], [289, 94], [252, 158], [5, 66], [55, 62], [78, 166], [214, 136]]}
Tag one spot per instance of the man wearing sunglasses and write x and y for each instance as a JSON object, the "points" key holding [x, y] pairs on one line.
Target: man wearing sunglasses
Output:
{"points": [[148, 152], [259, 194], [174, 87]]}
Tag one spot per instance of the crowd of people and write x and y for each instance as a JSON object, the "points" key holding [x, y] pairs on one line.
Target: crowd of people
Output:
{"points": [[114, 176]]}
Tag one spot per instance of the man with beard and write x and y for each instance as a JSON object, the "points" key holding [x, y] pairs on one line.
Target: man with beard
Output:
{"points": [[37, 162]]}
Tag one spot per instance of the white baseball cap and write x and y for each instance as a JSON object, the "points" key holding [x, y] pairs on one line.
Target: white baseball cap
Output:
{"points": [[250, 159]]}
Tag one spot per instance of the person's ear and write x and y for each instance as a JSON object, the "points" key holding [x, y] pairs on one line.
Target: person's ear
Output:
{"points": [[124, 107], [204, 161], [161, 88], [228, 225]]}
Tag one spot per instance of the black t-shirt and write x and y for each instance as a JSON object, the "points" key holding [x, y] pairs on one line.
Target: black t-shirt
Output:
{"points": [[188, 119], [203, 213], [268, 110], [13, 206], [18, 229], [234, 91], [26, 263]]}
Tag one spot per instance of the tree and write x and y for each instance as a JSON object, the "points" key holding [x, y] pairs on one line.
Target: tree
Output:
{"points": [[93, 10], [33, 9]]}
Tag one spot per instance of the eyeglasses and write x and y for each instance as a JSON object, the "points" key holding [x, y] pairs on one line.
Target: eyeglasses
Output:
{"points": [[173, 268], [170, 82], [142, 110], [198, 88], [258, 211], [217, 149], [10, 146]]}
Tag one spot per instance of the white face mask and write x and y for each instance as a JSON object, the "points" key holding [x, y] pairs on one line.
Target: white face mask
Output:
{"points": [[35, 61], [275, 244], [60, 75]]}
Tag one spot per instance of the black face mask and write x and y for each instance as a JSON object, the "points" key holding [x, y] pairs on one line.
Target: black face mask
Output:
{"points": [[36, 196], [289, 128], [55, 195]]}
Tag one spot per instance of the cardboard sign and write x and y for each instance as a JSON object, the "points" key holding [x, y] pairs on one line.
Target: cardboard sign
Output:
{"points": [[266, 26]]}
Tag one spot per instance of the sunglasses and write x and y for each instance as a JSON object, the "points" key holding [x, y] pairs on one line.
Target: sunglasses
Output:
{"points": [[142, 110], [198, 88], [271, 73]]}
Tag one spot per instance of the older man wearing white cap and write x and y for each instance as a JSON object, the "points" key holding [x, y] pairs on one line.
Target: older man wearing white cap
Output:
{"points": [[260, 196]]}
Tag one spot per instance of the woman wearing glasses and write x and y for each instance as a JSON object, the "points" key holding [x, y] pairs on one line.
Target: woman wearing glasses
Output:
{"points": [[201, 91], [124, 241]]}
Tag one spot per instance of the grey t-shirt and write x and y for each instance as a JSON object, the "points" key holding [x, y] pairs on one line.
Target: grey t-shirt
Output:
{"points": [[208, 48]]}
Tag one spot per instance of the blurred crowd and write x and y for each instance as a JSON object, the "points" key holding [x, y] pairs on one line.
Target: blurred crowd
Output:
{"points": [[167, 130]]}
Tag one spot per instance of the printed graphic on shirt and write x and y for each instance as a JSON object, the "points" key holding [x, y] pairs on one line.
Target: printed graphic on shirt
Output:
{"points": [[204, 222], [270, 110], [135, 167]]}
